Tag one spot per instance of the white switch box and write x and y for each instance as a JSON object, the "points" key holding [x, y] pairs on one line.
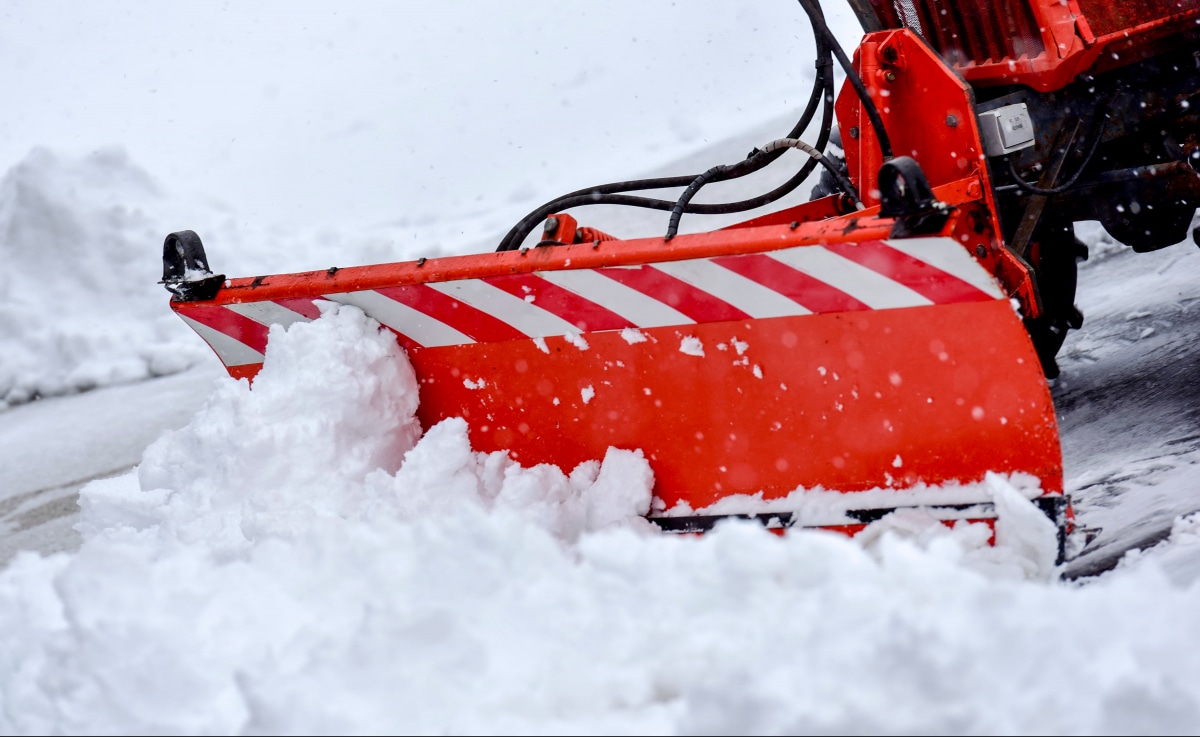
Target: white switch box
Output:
{"points": [[1006, 129]]}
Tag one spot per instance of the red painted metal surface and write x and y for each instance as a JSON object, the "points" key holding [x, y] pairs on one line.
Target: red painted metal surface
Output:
{"points": [[902, 73], [847, 401], [844, 392], [1044, 44]]}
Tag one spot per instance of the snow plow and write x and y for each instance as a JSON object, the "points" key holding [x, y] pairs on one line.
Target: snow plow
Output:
{"points": [[884, 345]]}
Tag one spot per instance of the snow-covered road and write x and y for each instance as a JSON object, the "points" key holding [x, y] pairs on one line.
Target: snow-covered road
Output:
{"points": [[1128, 401], [50, 448]]}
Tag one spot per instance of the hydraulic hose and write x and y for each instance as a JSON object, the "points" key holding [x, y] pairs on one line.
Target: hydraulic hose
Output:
{"points": [[778, 144], [610, 194], [822, 29]]}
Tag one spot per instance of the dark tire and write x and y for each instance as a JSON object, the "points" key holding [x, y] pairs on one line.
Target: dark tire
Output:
{"points": [[1055, 257]]}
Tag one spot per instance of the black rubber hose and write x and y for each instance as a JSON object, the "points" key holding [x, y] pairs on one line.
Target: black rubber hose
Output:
{"points": [[683, 204], [609, 193], [603, 195], [822, 29], [685, 198], [791, 184], [843, 181]]}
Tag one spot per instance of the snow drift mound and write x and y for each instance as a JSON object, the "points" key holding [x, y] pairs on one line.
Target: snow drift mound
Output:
{"points": [[298, 560], [79, 303], [81, 242], [328, 436]]}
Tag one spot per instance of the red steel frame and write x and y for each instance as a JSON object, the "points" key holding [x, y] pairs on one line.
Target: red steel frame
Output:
{"points": [[1075, 35]]}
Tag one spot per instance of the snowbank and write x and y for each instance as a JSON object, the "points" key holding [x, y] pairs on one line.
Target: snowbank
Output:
{"points": [[79, 304], [297, 560], [81, 241]]}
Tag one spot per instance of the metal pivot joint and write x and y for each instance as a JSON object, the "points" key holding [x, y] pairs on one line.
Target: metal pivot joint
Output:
{"points": [[185, 268], [905, 195]]}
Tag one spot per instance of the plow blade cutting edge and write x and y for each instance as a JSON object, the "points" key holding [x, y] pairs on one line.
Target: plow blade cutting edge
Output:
{"points": [[746, 364]]}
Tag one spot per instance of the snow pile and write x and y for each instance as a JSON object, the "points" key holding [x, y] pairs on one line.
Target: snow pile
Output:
{"points": [[81, 241], [320, 440], [79, 303], [296, 560]]}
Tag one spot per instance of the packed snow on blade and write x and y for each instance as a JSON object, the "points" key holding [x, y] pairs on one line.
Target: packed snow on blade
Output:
{"points": [[883, 346]]}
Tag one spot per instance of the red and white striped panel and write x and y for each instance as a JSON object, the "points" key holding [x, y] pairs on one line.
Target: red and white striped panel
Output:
{"points": [[874, 275]]}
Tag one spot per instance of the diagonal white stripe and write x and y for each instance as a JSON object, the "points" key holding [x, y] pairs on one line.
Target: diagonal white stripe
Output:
{"points": [[952, 258], [524, 316], [867, 286], [403, 319], [748, 296], [639, 309], [268, 313], [232, 351]]}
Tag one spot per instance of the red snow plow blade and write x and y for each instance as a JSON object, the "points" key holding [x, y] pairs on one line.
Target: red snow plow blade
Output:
{"points": [[746, 361], [870, 349]]}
